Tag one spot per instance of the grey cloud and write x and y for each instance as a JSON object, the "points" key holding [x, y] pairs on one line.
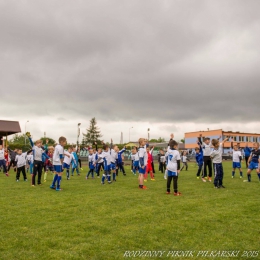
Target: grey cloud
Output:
{"points": [[131, 60]]}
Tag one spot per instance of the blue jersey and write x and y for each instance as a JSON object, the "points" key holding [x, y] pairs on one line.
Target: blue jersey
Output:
{"points": [[119, 156], [74, 163], [199, 157], [255, 155], [247, 151]]}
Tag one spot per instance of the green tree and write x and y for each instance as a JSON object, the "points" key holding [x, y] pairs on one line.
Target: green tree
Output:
{"points": [[50, 142], [161, 140], [183, 141], [93, 133]]}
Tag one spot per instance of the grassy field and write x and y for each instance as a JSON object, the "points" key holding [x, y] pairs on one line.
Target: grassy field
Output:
{"points": [[88, 220]]}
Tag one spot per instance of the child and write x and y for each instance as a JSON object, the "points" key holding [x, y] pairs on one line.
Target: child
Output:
{"points": [[132, 161], [237, 158], [91, 161], [30, 162], [206, 146], [136, 161], [58, 156], [173, 167], [48, 163], [199, 159], [253, 162], [13, 154], [247, 152], [166, 162], [120, 163], [20, 164], [38, 152], [149, 167], [75, 163], [114, 155], [100, 163], [2, 157], [142, 163], [105, 155], [184, 161], [216, 155], [68, 158], [162, 161]]}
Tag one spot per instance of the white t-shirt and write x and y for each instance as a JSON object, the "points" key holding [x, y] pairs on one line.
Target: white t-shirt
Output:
{"points": [[21, 159], [58, 152], [173, 157], [106, 157], [91, 158], [162, 158], [143, 154], [206, 149], [216, 155], [136, 157], [69, 158], [236, 155], [2, 154], [113, 156], [30, 158], [184, 158]]}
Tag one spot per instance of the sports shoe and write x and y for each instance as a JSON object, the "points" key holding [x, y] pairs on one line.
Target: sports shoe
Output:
{"points": [[203, 179], [86, 178], [53, 187], [241, 177], [167, 192], [245, 180], [25, 180], [17, 180], [152, 179], [33, 185], [232, 177], [210, 179], [44, 180], [81, 169], [216, 187], [198, 178], [222, 186], [177, 194], [7, 175], [102, 183], [58, 189], [144, 188], [145, 180]]}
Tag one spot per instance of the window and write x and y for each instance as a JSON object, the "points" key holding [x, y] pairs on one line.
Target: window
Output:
{"points": [[254, 139], [247, 139], [241, 138], [235, 138]]}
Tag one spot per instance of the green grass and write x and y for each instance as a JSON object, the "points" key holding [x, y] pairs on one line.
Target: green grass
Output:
{"points": [[90, 221]]}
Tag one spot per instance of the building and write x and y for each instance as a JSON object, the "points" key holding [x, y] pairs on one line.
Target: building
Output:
{"points": [[8, 128], [241, 138]]}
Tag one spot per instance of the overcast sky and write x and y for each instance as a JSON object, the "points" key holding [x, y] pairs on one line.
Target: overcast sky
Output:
{"points": [[171, 65]]}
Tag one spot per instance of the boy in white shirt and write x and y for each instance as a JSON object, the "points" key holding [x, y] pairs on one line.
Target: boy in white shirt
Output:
{"points": [[20, 164], [237, 158], [58, 156], [216, 156], [68, 158], [173, 167]]}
